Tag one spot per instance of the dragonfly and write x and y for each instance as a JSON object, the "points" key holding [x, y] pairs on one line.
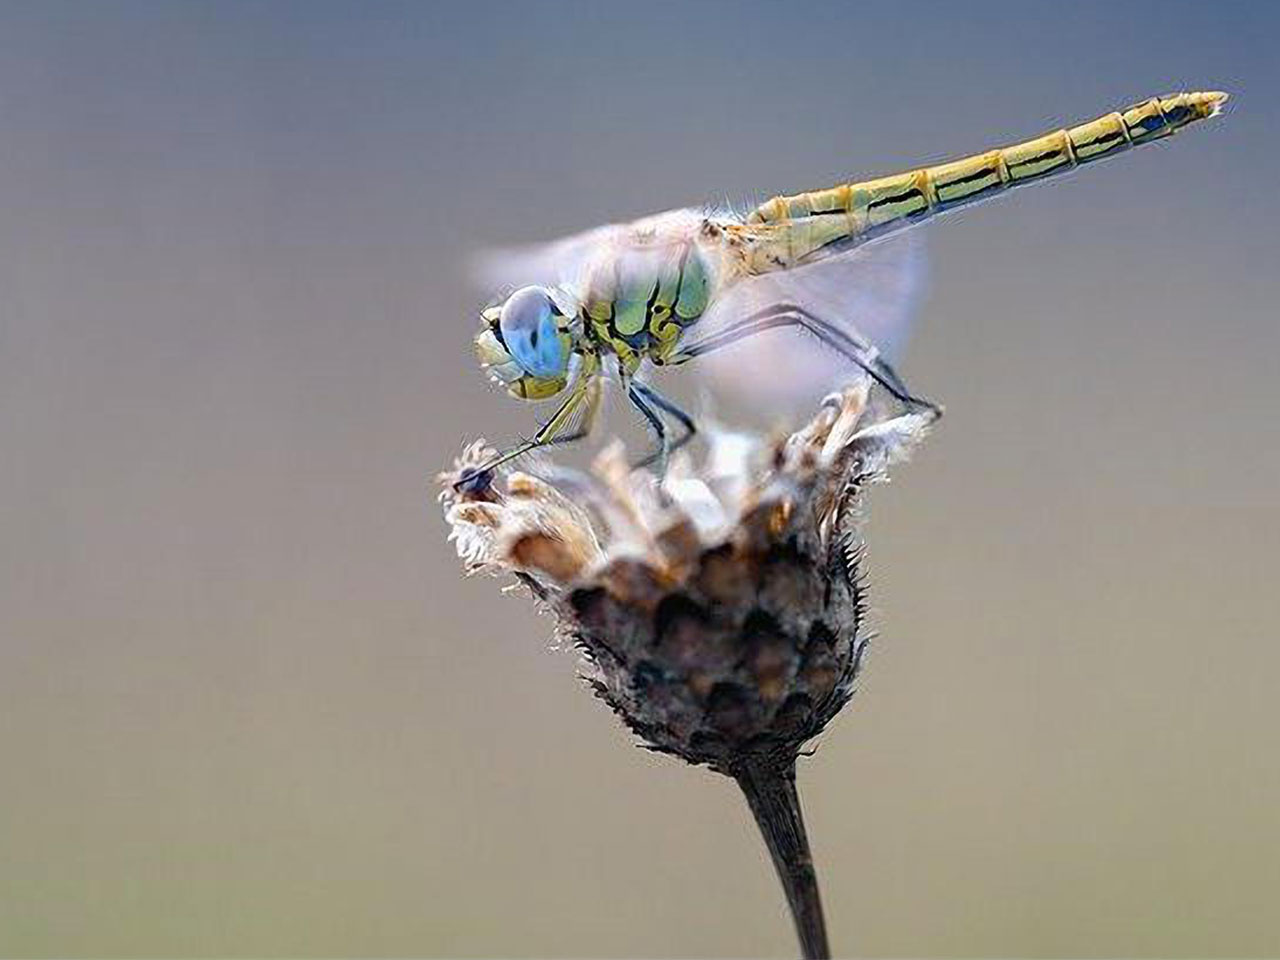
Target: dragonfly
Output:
{"points": [[674, 287]]}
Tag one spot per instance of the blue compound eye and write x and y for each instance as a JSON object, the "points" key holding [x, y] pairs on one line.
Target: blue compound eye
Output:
{"points": [[530, 332]]}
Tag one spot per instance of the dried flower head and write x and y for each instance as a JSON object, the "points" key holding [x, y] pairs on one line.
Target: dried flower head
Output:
{"points": [[719, 612]]}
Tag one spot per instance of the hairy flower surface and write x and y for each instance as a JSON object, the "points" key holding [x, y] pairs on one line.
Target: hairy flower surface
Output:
{"points": [[720, 611]]}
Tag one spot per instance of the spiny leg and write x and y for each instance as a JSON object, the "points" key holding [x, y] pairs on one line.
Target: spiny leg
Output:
{"points": [[790, 315], [676, 413], [659, 428], [478, 479]]}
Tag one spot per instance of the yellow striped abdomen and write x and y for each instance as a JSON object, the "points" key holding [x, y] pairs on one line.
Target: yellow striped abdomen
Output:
{"points": [[855, 212]]}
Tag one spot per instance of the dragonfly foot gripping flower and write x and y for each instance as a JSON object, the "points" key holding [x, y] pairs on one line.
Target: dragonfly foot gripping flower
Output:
{"points": [[719, 612]]}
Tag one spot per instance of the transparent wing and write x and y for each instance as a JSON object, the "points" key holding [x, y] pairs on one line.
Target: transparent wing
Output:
{"points": [[565, 262], [549, 264], [870, 293]]}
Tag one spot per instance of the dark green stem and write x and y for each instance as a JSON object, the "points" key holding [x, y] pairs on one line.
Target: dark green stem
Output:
{"points": [[771, 792]]}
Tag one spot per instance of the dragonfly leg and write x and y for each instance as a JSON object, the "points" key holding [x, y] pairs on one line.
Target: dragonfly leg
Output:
{"points": [[659, 456], [586, 391], [655, 399], [790, 315]]}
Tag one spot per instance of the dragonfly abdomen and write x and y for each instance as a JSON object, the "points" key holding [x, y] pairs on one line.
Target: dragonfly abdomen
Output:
{"points": [[853, 213]]}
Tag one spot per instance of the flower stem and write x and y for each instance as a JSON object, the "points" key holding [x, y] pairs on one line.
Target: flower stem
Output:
{"points": [[771, 792]]}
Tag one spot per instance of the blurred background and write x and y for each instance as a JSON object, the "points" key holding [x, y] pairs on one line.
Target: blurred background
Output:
{"points": [[249, 707]]}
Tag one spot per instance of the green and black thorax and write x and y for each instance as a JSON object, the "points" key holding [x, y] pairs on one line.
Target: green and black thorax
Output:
{"points": [[637, 306]]}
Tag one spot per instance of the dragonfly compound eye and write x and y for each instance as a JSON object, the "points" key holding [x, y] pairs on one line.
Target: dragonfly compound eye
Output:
{"points": [[503, 368], [530, 331]]}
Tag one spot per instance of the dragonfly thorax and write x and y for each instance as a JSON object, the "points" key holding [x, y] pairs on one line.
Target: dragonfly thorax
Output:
{"points": [[637, 304]]}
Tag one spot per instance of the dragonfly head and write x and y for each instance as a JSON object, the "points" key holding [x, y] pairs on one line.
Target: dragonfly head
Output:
{"points": [[524, 343]]}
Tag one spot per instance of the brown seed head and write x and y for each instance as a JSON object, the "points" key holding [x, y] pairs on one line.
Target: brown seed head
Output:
{"points": [[720, 613]]}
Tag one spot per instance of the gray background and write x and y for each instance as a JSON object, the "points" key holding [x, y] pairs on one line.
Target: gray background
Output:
{"points": [[247, 705]]}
